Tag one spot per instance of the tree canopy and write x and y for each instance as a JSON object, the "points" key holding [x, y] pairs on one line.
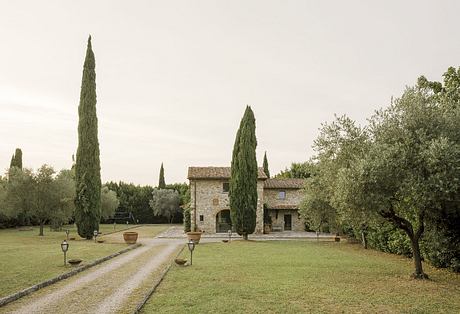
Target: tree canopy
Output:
{"points": [[265, 165], [109, 202], [403, 168], [165, 202], [87, 166], [243, 180], [161, 180], [41, 195], [16, 159]]}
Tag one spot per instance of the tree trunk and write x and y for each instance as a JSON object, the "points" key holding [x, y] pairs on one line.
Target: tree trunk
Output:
{"points": [[419, 274], [364, 239], [245, 236], [405, 225], [41, 228]]}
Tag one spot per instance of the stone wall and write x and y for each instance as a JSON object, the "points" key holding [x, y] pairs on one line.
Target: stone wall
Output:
{"points": [[298, 223], [210, 199], [293, 197]]}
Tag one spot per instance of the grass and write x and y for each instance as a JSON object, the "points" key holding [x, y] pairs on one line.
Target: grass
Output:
{"points": [[301, 277], [103, 287], [27, 259]]}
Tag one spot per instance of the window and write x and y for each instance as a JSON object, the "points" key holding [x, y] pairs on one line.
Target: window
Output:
{"points": [[225, 187], [282, 195], [201, 218]]}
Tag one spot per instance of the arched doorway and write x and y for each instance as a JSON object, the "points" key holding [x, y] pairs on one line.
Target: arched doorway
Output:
{"points": [[223, 221]]}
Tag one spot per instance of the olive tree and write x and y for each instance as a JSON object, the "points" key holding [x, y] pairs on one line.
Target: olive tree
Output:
{"points": [[411, 169], [41, 195], [165, 202], [109, 202]]}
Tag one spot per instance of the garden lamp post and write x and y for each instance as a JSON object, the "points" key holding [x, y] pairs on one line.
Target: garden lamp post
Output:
{"points": [[114, 224], [64, 248], [191, 247], [229, 235], [95, 235], [67, 234]]}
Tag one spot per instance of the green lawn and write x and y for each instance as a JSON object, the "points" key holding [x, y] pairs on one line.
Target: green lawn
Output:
{"points": [[27, 259], [301, 277]]}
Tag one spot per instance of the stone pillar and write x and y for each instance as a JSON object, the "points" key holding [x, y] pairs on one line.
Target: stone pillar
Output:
{"points": [[260, 208]]}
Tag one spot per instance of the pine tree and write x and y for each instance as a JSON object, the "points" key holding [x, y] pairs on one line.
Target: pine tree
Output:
{"points": [[87, 167], [16, 159], [243, 181], [161, 183], [267, 172]]}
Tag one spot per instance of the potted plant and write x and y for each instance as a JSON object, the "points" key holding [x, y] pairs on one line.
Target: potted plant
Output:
{"points": [[130, 237]]}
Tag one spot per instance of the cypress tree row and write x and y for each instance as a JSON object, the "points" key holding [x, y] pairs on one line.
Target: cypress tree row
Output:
{"points": [[87, 166], [243, 180], [161, 183], [267, 172], [16, 159]]}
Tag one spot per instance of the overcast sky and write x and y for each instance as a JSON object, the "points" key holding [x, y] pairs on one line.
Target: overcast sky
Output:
{"points": [[173, 77]]}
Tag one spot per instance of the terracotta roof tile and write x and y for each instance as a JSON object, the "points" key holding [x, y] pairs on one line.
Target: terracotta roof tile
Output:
{"points": [[284, 183], [284, 207], [215, 173]]}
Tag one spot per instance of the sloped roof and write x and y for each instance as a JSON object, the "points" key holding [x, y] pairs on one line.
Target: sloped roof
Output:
{"points": [[215, 173], [284, 183], [283, 207]]}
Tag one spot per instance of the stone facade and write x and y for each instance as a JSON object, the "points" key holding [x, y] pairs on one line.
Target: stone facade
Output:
{"points": [[210, 203], [279, 208], [211, 199]]}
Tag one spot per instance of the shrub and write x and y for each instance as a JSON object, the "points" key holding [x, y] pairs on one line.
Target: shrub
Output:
{"points": [[187, 220]]}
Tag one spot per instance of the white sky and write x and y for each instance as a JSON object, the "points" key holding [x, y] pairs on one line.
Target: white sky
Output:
{"points": [[174, 77]]}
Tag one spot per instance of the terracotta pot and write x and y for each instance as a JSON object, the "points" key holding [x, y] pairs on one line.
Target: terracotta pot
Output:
{"points": [[130, 237], [74, 262], [180, 261], [194, 236]]}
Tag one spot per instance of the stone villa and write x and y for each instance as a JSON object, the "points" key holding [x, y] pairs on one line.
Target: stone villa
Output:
{"points": [[210, 210]]}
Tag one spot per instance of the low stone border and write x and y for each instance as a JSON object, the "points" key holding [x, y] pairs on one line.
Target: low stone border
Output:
{"points": [[157, 283], [15, 296]]}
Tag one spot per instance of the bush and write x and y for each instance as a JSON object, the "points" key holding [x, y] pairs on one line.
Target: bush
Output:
{"points": [[390, 239], [187, 220], [442, 248]]}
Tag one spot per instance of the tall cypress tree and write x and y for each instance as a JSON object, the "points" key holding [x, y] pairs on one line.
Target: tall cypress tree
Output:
{"points": [[162, 183], [16, 159], [243, 180], [267, 172], [87, 166]]}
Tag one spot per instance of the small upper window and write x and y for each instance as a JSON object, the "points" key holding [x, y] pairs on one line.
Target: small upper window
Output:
{"points": [[201, 218], [282, 195], [225, 187]]}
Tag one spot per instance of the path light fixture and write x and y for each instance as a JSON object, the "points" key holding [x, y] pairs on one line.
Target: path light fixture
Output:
{"points": [[114, 224], [67, 233], [191, 247], [64, 248], [95, 235], [229, 235]]}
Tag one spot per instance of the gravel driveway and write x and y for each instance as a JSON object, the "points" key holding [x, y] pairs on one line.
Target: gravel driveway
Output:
{"points": [[105, 288]]}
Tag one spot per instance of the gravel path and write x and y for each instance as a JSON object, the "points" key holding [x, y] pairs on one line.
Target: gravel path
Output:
{"points": [[113, 302], [146, 260]]}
